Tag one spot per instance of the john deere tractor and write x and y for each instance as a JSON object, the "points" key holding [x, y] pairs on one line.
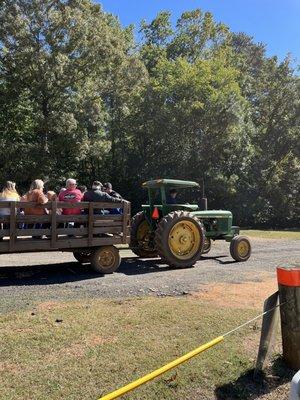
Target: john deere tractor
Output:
{"points": [[180, 232]]}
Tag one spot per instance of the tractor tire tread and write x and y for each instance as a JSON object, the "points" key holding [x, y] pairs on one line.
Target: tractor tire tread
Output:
{"points": [[234, 251], [135, 221], [159, 239]]}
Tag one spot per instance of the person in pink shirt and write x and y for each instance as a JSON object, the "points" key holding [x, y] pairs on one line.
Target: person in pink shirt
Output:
{"points": [[71, 195]]}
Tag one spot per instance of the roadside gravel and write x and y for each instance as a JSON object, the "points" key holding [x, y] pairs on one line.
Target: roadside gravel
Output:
{"points": [[26, 279]]}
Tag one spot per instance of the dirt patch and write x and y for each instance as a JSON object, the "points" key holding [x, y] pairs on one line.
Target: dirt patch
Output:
{"points": [[238, 295]]}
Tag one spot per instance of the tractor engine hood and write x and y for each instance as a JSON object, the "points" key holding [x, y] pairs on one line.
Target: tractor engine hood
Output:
{"points": [[212, 214]]}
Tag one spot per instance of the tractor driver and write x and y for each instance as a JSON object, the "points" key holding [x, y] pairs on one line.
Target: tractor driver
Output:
{"points": [[171, 199]]}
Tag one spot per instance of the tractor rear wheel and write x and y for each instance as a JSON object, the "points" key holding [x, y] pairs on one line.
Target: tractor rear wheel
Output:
{"points": [[141, 237], [206, 246], [240, 248], [179, 239]]}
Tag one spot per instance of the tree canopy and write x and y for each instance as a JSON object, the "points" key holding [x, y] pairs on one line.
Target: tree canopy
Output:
{"points": [[80, 97]]}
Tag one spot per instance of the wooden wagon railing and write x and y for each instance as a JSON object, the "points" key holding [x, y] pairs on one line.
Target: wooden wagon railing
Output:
{"points": [[20, 233]]}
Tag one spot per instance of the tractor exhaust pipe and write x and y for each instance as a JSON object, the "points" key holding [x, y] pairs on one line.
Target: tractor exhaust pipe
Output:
{"points": [[203, 201]]}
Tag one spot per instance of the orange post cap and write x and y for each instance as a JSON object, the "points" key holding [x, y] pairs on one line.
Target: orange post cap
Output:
{"points": [[288, 276]]}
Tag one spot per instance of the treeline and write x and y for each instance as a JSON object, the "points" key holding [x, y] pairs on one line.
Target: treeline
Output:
{"points": [[80, 97]]}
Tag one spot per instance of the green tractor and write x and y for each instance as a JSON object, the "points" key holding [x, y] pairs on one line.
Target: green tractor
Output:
{"points": [[181, 233]]}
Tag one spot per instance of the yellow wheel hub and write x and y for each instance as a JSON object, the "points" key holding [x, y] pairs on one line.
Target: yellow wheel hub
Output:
{"points": [[243, 248], [107, 258], [184, 240], [143, 231]]}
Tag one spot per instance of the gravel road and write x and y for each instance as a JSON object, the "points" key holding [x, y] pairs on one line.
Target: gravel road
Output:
{"points": [[35, 277]]}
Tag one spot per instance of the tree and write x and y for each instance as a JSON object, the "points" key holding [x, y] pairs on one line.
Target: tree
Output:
{"points": [[61, 57], [273, 95], [197, 34]]}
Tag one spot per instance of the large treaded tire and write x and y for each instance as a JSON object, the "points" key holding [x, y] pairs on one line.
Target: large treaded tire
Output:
{"points": [[240, 248], [135, 246], [162, 235]]}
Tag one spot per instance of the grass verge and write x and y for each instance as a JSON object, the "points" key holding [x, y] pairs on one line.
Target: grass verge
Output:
{"points": [[293, 235], [82, 350]]}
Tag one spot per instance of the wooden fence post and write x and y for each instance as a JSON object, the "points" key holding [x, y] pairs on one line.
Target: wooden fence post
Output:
{"points": [[268, 331], [289, 295]]}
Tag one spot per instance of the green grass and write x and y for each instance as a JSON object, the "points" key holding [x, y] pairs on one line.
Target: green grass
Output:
{"points": [[101, 345], [293, 235]]}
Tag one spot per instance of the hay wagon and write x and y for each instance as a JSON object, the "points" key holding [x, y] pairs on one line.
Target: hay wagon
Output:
{"points": [[91, 236]]}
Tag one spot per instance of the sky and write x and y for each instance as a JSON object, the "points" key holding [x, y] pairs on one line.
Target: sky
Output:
{"points": [[275, 23]]}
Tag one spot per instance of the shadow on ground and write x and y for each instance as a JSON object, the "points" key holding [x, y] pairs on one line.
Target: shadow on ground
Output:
{"points": [[58, 273], [45, 274], [248, 388], [218, 259]]}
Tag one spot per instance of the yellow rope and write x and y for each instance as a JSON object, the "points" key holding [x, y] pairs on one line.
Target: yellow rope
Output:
{"points": [[133, 385]]}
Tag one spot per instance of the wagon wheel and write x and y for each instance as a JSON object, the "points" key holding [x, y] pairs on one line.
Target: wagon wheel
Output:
{"points": [[179, 239], [82, 256], [206, 246], [105, 259], [240, 248], [141, 237]]}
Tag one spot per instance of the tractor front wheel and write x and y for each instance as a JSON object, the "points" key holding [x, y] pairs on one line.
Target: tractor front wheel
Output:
{"points": [[179, 239], [141, 237], [240, 248]]}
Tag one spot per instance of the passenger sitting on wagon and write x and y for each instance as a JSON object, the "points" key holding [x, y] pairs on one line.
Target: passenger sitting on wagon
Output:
{"points": [[37, 196], [52, 196], [109, 189], [171, 198], [82, 188], [8, 193], [71, 195], [97, 195]]}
